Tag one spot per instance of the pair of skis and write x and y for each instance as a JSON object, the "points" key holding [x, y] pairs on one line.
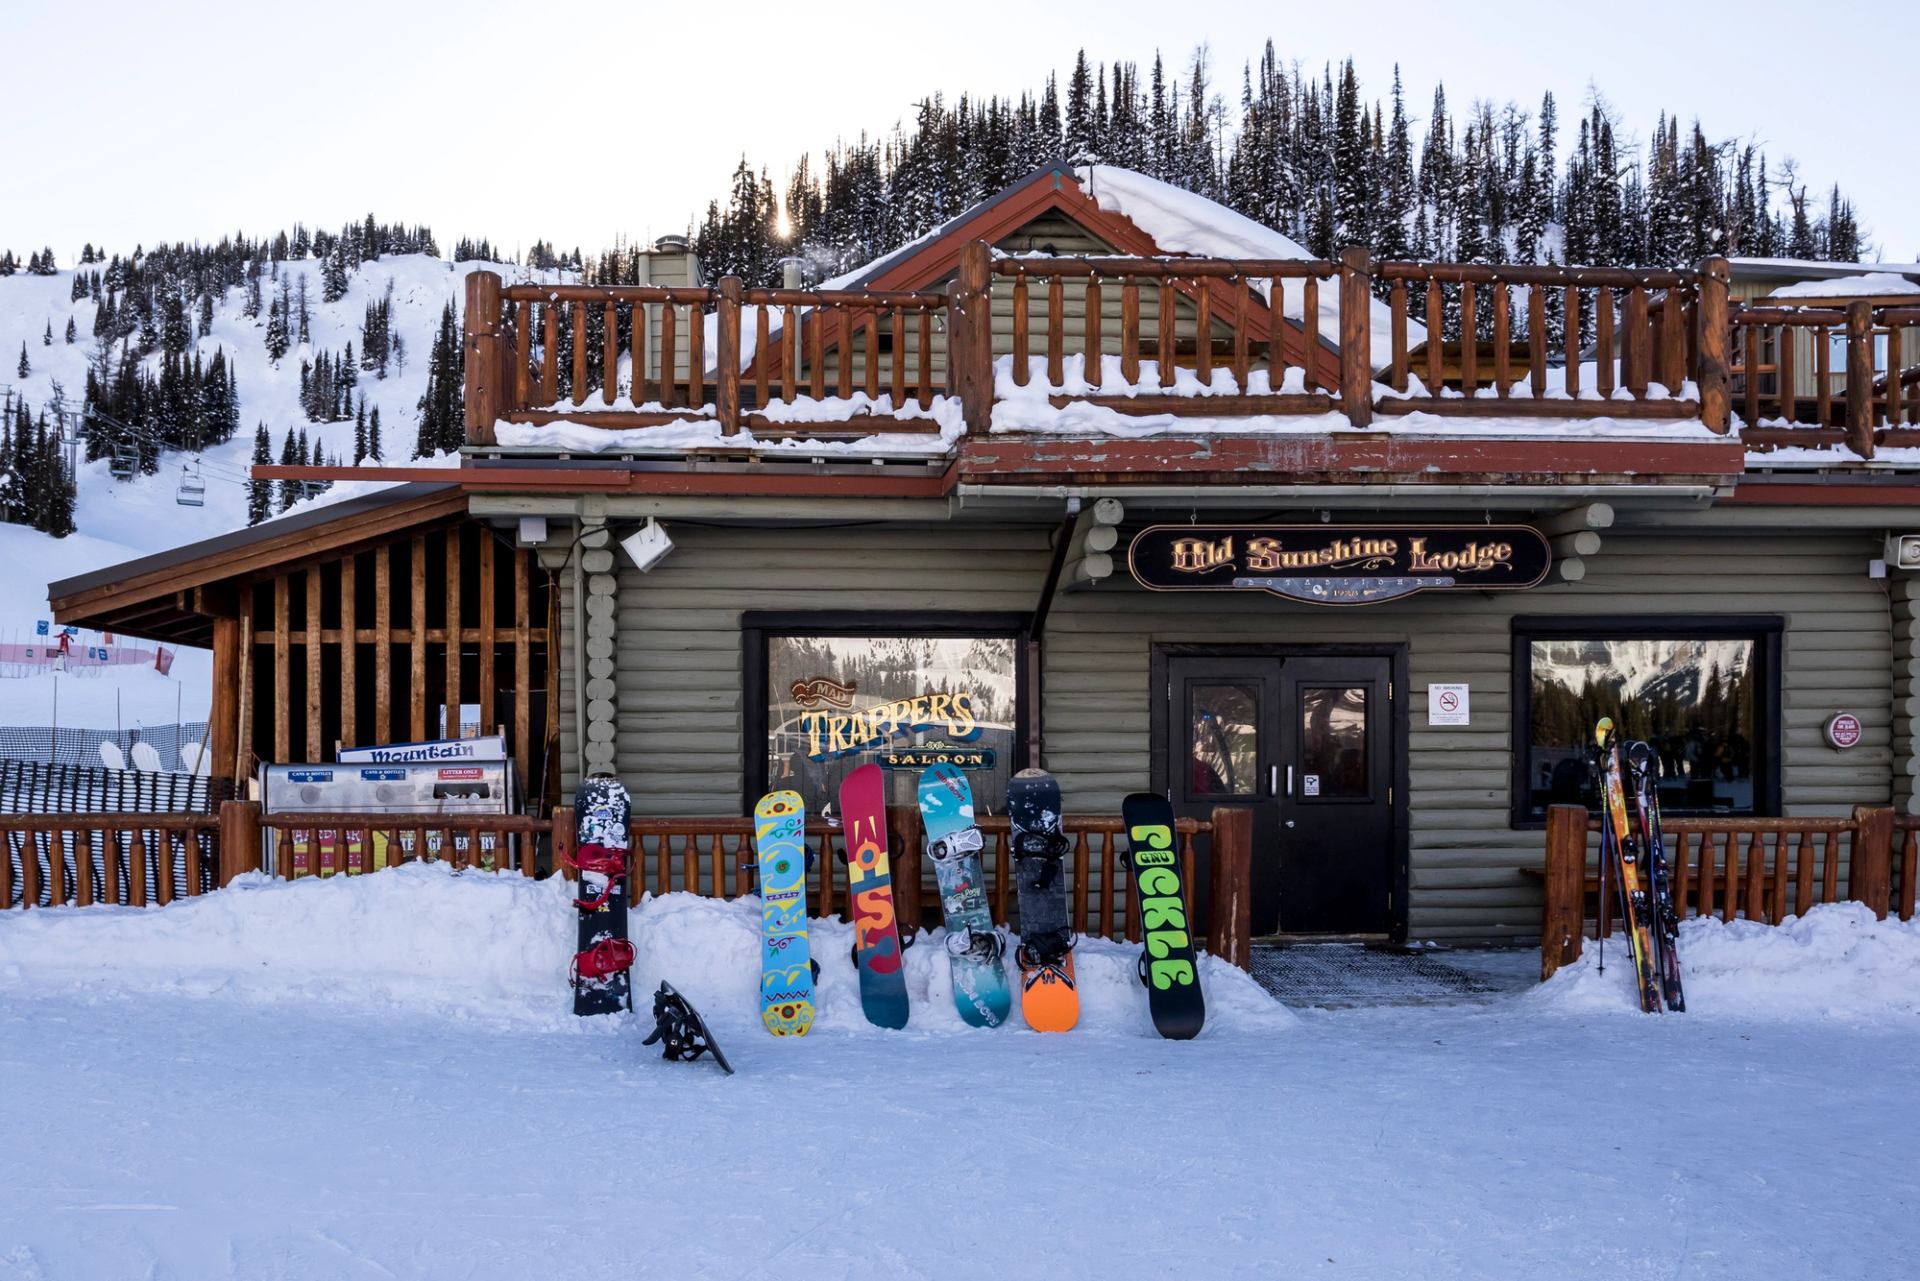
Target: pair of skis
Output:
{"points": [[602, 968], [1633, 856]]}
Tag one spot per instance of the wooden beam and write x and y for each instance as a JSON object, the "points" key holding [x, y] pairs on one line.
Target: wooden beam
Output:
{"points": [[523, 666], [242, 758], [487, 582], [315, 745], [223, 713], [349, 655], [383, 644], [282, 685], [417, 650], [450, 727]]}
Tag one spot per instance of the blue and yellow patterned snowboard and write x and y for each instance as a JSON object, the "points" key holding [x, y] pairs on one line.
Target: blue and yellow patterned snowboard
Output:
{"points": [[980, 988], [786, 965]]}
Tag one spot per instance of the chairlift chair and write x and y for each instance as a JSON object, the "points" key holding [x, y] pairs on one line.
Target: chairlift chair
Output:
{"points": [[125, 461], [193, 489]]}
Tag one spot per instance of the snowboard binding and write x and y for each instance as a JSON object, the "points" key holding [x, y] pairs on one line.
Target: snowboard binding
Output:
{"points": [[681, 1034], [598, 860], [984, 945], [1044, 950], [958, 845], [603, 960]]}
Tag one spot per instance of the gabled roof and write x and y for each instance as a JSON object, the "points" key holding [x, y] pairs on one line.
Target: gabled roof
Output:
{"points": [[164, 596], [1053, 189]]}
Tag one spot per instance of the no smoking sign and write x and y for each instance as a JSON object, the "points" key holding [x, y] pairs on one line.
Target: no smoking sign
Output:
{"points": [[1448, 705]]}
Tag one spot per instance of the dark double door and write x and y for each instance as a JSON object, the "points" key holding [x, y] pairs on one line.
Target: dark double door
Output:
{"points": [[1308, 743]]}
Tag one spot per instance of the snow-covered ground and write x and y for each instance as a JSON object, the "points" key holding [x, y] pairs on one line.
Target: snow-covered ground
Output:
{"points": [[379, 1078]]}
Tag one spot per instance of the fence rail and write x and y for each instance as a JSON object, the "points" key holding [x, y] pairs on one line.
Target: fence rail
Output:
{"points": [[1852, 404], [142, 859], [1757, 869], [1289, 336]]}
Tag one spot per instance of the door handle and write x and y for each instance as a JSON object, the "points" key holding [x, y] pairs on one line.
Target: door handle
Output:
{"points": [[1289, 791], [1273, 779]]}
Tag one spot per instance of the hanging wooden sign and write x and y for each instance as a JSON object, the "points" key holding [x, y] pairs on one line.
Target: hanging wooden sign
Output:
{"points": [[1339, 565]]}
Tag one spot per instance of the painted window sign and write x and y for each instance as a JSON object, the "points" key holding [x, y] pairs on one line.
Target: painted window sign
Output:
{"points": [[1331, 565], [836, 702]]}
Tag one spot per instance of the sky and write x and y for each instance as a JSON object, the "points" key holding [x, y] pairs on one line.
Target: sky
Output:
{"points": [[580, 121]]}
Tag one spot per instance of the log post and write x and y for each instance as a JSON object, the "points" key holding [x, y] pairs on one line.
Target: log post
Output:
{"points": [[480, 332], [1356, 336], [559, 844], [1711, 371], [1870, 869], [726, 357], [239, 839], [970, 338], [904, 835], [1230, 914], [1860, 377], [1563, 912], [223, 732]]}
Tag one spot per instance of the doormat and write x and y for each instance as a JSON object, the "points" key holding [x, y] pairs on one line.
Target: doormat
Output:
{"points": [[1352, 975]]}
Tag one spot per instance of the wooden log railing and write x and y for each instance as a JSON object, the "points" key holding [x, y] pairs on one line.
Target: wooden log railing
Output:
{"points": [[1130, 334], [1775, 345], [142, 859], [1757, 869], [635, 356], [107, 858]]}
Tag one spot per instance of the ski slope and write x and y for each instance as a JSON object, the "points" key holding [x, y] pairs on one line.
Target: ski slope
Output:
{"points": [[122, 521], [378, 1078]]}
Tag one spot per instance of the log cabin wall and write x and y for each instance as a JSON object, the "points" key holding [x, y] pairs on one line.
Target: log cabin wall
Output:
{"points": [[683, 731], [369, 647]]}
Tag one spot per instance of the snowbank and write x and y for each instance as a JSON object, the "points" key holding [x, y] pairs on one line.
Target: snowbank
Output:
{"points": [[1835, 962], [475, 945]]}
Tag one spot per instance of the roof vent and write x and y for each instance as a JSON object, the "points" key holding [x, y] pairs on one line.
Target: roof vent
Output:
{"points": [[670, 245]]}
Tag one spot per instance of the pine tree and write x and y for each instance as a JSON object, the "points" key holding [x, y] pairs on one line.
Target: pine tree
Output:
{"points": [[260, 492], [303, 333], [374, 450], [277, 338], [72, 332], [25, 366], [289, 491], [360, 432]]}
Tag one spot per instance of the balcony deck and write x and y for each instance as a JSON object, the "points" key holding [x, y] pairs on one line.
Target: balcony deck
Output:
{"points": [[1017, 346]]}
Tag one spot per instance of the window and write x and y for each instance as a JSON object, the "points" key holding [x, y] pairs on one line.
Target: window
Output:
{"points": [[847, 691], [1333, 742], [1226, 740], [1703, 692]]}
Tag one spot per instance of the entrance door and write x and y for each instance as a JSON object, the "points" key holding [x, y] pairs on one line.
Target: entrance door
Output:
{"points": [[1306, 742]]}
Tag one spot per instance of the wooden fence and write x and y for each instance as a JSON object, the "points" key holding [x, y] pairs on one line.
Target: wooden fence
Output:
{"points": [[544, 354], [1757, 869], [1851, 405], [186, 855]]}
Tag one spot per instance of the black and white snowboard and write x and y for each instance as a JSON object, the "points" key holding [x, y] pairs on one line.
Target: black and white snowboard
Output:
{"points": [[601, 983], [1049, 996]]}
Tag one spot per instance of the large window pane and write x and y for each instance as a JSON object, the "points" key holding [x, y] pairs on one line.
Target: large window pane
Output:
{"points": [[1692, 699], [836, 702]]}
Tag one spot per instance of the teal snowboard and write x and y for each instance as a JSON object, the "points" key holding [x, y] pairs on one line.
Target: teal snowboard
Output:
{"points": [[975, 947]]}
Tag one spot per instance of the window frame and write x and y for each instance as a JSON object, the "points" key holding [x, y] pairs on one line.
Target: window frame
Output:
{"points": [[1764, 630], [758, 626]]}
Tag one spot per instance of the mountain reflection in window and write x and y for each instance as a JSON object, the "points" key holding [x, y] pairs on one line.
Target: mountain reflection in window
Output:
{"points": [[826, 693], [1692, 700]]}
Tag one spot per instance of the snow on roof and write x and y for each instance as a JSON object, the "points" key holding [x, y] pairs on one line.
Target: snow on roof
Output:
{"points": [[1870, 284], [1813, 268], [1182, 222]]}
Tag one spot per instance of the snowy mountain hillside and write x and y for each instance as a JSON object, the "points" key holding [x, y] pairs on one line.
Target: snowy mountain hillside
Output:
{"points": [[122, 520]]}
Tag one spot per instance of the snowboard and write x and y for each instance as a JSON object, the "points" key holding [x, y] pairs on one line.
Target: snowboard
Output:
{"points": [[1643, 769], [1049, 997], [980, 989], [601, 983], [680, 1030], [1620, 850], [786, 965], [876, 934], [1168, 966]]}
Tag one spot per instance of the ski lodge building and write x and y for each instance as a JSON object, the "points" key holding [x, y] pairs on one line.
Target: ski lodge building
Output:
{"points": [[1102, 477]]}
